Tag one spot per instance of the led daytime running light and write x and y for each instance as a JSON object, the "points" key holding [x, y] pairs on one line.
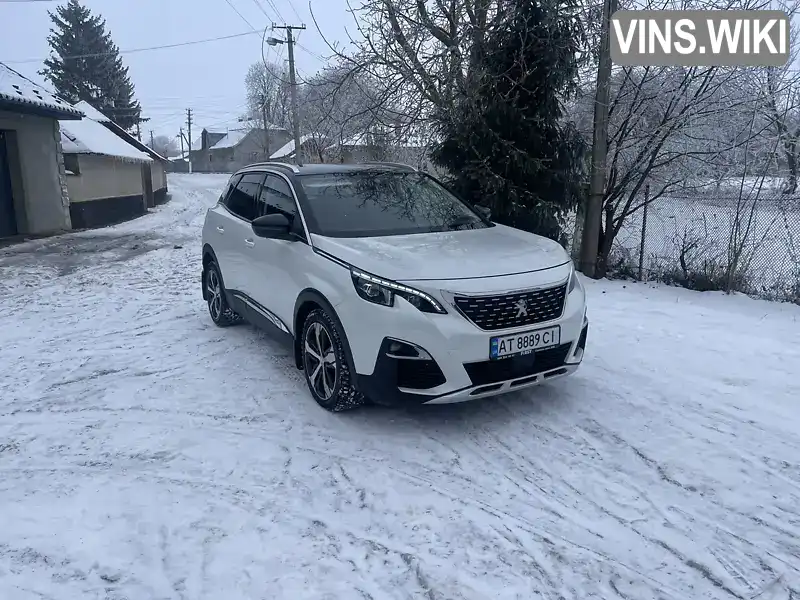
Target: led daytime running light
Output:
{"points": [[397, 287]]}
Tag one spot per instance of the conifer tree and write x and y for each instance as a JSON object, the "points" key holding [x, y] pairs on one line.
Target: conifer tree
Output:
{"points": [[85, 65], [507, 144]]}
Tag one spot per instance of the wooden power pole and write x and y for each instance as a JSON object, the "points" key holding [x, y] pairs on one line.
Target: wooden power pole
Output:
{"points": [[594, 207], [189, 138], [293, 84], [266, 127], [180, 135]]}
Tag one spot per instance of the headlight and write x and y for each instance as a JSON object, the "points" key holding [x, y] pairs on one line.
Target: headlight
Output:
{"points": [[382, 291], [573, 280]]}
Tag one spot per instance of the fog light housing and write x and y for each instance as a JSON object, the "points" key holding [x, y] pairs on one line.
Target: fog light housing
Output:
{"points": [[404, 350]]}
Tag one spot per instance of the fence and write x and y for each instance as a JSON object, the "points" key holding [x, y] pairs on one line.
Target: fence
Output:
{"points": [[715, 241]]}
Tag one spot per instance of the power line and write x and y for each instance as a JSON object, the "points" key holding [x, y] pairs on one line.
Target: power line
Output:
{"points": [[133, 50], [261, 8], [275, 8], [236, 10], [294, 10]]}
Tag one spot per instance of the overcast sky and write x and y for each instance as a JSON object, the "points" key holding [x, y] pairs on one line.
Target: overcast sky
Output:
{"points": [[207, 77]]}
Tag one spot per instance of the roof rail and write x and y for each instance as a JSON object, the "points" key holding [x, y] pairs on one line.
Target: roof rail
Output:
{"points": [[274, 163], [389, 164]]}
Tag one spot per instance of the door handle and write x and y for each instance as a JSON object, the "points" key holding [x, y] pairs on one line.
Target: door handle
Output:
{"points": [[221, 229], [249, 243]]}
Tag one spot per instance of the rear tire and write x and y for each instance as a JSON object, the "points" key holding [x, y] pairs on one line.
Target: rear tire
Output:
{"points": [[325, 363], [222, 314]]}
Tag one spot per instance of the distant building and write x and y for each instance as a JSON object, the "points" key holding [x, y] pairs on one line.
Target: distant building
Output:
{"points": [[33, 191], [230, 147], [371, 146], [309, 144]]}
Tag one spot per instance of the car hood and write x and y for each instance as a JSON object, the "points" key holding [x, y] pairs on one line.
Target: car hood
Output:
{"points": [[488, 252]]}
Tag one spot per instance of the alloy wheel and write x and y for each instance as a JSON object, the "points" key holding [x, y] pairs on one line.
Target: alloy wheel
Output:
{"points": [[214, 294], [320, 361]]}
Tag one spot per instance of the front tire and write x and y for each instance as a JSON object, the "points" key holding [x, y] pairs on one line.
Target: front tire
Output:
{"points": [[325, 364], [222, 314]]}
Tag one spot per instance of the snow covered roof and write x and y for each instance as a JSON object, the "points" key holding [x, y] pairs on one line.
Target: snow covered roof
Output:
{"points": [[18, 89], [287, 149], [363, 139], [87, 136], [231, 139], [91, 112], [234, 132]]}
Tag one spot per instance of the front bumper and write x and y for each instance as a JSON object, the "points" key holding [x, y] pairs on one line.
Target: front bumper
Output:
{"points": [[459, 368], [388, 384]]}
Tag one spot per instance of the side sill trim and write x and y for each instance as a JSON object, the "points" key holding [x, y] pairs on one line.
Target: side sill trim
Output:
{"points": [[267, 314]]}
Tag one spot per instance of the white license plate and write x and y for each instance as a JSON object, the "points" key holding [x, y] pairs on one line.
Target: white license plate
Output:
{"points": [[525, 342]]}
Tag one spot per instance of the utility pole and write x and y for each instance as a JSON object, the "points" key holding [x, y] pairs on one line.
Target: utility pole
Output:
{"points": [[293, 83], [189, 138], [594, 207], [180, 135], [266, 129], [152, 140]]}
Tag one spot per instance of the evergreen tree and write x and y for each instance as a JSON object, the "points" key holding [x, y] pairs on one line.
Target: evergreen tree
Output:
{"points": [[85, 65], [507, 145]]}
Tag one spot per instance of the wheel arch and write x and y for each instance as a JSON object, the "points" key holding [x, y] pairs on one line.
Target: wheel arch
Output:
{"points": [[307, 301]]}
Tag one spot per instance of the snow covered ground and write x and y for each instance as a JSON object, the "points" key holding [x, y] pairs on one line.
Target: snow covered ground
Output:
{"points": [[146, 454]]}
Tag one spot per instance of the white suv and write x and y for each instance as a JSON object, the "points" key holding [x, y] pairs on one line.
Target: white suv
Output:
{"points": [[388, 287]]}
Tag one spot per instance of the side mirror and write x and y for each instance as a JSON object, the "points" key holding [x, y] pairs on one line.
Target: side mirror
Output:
{"points": [[275, 226], [484, 211]]}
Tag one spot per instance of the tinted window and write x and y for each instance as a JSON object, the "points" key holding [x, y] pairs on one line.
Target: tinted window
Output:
{"points": [[242, 199], [276, 197], [374, 203], [226, 192]]}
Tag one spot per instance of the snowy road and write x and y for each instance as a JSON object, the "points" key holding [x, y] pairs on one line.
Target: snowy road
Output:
{"points": [[146, 454]]}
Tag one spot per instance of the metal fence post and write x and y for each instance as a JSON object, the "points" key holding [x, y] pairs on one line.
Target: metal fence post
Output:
{"points": [[644, 229]]}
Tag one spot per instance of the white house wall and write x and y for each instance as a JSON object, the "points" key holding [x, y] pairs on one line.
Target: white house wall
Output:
{"points": [[107, 190], [40, 203]]}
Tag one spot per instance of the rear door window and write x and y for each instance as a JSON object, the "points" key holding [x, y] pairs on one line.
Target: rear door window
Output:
{"points": [[244, 196]]}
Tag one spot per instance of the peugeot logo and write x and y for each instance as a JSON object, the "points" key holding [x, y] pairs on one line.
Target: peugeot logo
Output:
{"points": [[522, 308]]}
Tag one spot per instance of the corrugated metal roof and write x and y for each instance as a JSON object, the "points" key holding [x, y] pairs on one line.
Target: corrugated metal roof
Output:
{"points": [[18, 89]]}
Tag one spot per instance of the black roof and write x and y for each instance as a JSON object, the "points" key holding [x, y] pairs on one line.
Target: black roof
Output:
{"points": [[326, 168]]}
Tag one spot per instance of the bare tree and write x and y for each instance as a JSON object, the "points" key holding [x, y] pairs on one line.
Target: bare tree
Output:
{"points": [[268, 100], [165, 146], [677, 127], [337, 105]]}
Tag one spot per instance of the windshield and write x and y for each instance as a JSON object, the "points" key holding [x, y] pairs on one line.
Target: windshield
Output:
{"points": [[379, 203]]}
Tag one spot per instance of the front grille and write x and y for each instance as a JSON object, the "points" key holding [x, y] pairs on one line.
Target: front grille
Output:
{"points": [[506, 311], [492, 371], [419, 374]]}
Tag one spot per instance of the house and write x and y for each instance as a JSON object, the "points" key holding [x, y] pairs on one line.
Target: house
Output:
{"points": [[108, 179], [388, 145], [33, 190], [229, 148], [178, 164], [159, 165], [309, 143]]}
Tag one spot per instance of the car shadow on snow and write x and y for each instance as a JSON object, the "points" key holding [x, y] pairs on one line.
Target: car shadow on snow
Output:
{"points": [[536, 403]]}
